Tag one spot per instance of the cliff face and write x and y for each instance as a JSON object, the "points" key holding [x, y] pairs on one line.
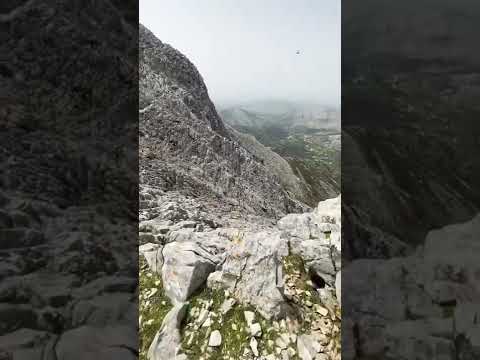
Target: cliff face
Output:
{"points": [[184, 144]]}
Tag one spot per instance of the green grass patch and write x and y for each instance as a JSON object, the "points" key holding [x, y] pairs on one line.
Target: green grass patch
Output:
{"points": [[232, 326], [152, 309]]}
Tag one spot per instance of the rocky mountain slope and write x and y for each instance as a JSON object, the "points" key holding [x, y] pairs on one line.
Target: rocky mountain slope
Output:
{"points": [[221, 277], [407, 89], [68, 198], [409, 171], [295, 185], [184, 144]]}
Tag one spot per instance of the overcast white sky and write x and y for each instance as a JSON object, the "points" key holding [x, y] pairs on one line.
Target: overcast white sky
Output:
{"points": [[246, 49]]}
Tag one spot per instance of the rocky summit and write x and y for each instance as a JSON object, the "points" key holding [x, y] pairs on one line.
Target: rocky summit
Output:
{"points": [[232, 264]]}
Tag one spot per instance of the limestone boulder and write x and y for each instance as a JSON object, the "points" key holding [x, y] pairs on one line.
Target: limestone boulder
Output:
{"points": [[186, 268], [252, 271]]}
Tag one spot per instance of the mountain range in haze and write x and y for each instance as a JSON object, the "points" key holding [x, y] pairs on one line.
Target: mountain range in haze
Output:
{"points": [[286, 113]]}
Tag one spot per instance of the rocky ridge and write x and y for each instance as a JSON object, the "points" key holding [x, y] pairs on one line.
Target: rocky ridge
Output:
{"points": [[184, 144]]}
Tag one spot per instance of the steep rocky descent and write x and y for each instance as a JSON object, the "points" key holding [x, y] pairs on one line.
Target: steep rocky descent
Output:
{"points": [[185, 146], [233, 285]]}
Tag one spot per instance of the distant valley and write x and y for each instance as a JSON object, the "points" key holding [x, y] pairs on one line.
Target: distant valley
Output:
{"points": [[306, 135]]}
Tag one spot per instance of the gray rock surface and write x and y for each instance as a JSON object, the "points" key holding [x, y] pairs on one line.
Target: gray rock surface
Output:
{"points": [[166, 344], [186, 268], [316, 238], [252, 271], [423, 305], [153, 255], [88, 342], [246, 260]]}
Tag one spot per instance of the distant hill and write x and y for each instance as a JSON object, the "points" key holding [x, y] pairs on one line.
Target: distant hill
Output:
{"points": [[284, 113]]}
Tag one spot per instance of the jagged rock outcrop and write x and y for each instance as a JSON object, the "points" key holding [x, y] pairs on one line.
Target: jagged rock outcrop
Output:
{"points": [[184, 144], [316, 237]]}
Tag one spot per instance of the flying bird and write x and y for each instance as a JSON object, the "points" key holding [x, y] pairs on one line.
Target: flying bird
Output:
{"points": [[298, 52]]}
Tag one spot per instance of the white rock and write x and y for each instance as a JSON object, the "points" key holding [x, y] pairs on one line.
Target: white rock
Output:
{"points": [[84, 342], [255, 329], [281, 343], [254, 346], [338, 287], [321, 310], [307, 347], [215, 339], [291, 351], [249, 317], [227, 305], [202, 317], [307, 232]]}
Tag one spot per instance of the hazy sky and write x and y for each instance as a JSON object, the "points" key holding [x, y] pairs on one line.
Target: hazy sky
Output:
{"points": [[246, 49]]}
